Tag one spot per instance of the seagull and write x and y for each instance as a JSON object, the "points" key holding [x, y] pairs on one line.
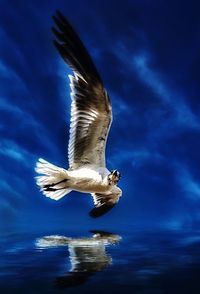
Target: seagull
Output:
{"points": [[87, 255], [91, 118]]}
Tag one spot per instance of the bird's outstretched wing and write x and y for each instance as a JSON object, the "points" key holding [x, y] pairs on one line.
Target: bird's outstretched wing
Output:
{"points": [[104, 202], [91, 112]]}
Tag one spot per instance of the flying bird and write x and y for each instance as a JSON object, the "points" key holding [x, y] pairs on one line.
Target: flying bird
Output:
{"points": [[91, 118]]}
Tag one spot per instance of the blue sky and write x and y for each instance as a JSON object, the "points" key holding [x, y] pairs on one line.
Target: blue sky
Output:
{"points": [[147, 53]]}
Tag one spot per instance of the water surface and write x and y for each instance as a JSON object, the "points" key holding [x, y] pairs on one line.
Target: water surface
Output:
{"points": [[100, 262]]}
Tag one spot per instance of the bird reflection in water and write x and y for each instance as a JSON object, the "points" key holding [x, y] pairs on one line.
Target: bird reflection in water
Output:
{"points": [[87, 255]]}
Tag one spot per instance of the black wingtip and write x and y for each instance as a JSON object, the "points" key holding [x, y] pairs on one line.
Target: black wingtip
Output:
{"points": [[60, 15], [61, 21], [55, 18], [57, 34], [99, 211], [72, 49]]}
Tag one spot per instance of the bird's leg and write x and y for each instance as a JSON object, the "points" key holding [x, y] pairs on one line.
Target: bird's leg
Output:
{"points": [[48, 187], [53, 189]]}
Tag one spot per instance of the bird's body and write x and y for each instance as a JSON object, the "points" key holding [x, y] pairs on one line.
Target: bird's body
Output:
{"points": [[91, 118], [95, 179]]}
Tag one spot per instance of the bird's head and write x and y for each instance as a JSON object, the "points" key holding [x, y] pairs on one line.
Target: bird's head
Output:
{"points": [[114, 177]]}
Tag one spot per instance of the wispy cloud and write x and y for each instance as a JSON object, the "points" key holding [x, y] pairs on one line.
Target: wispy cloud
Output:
{"points": [[10, 74], [10, 149], [189, 185], [8, 188], [119, 105], [28, 122], [140, 63], [134, 157], [153, 79]]}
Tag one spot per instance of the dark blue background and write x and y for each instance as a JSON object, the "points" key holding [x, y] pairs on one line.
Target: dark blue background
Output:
{"points": [[147, 53]]}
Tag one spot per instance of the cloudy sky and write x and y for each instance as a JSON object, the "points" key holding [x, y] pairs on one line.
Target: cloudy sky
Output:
{"points": [[147, 53]]}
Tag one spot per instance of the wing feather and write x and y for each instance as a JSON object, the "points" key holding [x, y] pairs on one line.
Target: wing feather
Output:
{"points": [[91, 112], [105, 202]]}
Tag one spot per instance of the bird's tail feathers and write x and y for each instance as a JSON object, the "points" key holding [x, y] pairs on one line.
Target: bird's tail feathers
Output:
{"points": [[53, 180]]}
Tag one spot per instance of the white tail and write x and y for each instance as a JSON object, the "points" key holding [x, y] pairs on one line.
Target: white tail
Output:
{"points": [[52, 180]]}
